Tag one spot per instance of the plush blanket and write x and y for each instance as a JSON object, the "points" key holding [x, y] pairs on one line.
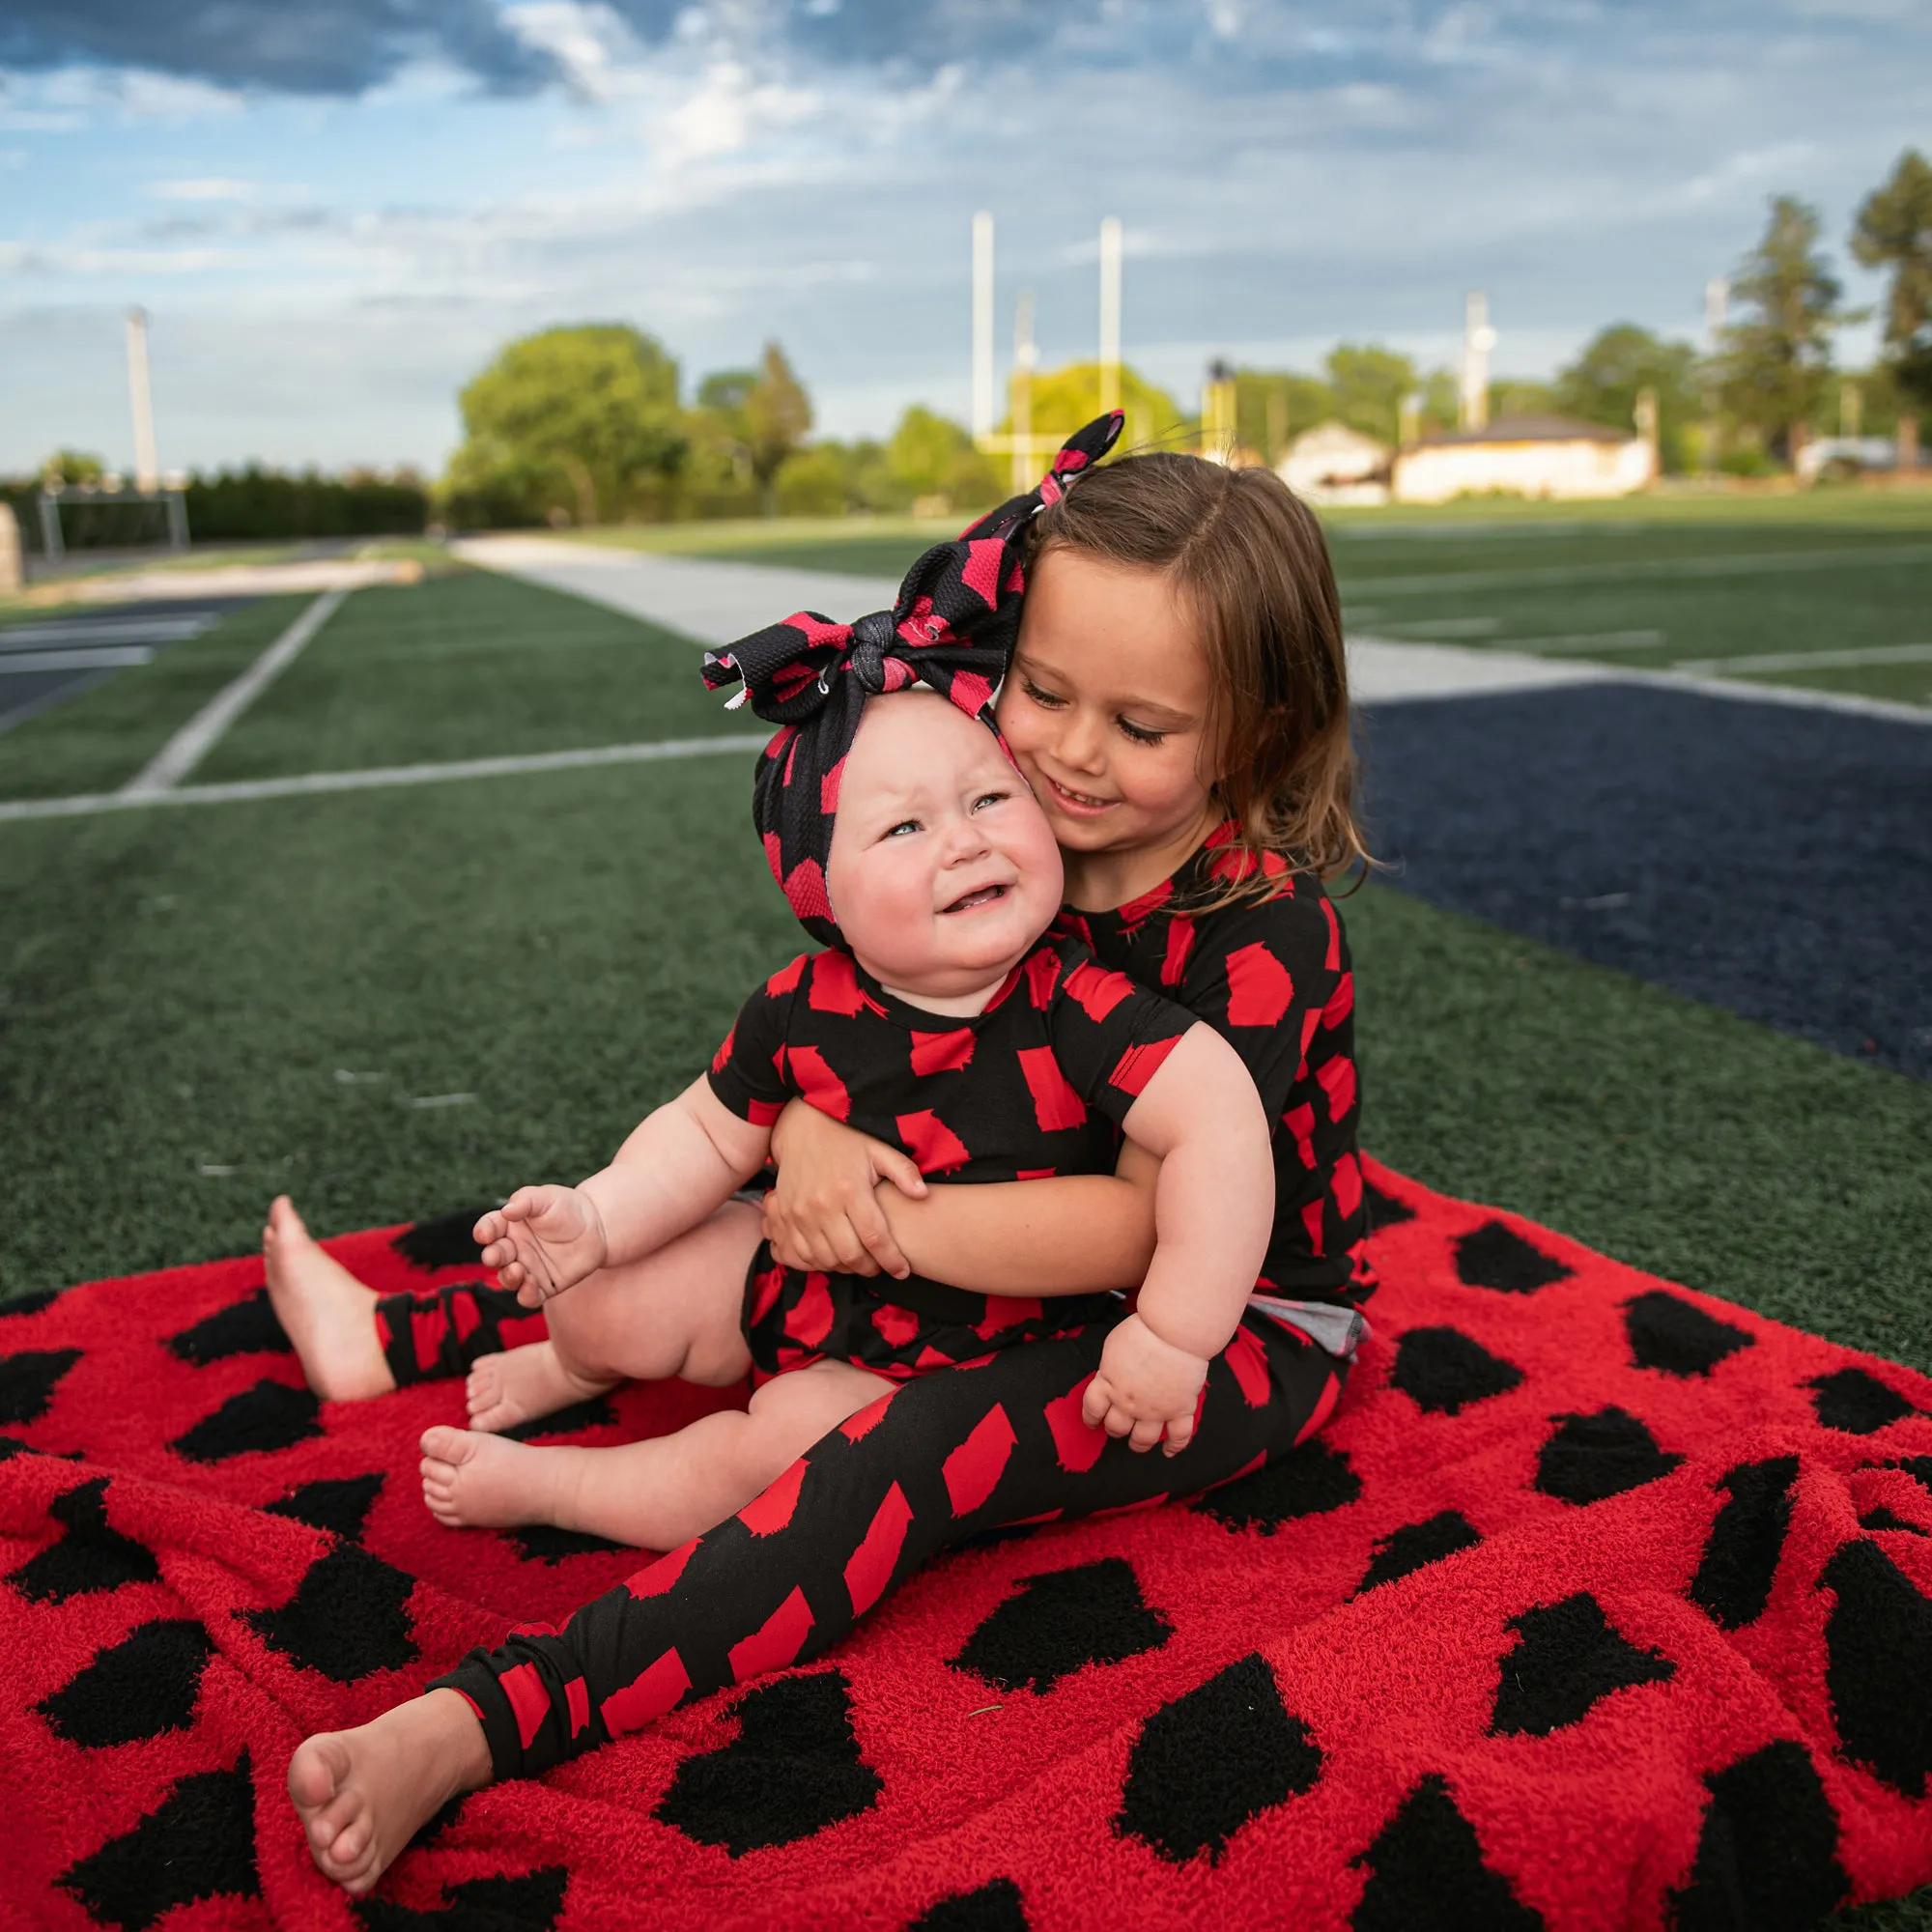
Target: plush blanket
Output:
{"points": [[1599, 1604]]}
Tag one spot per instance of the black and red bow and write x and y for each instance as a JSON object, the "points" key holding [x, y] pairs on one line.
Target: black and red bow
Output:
{"points": [[952, 627]]}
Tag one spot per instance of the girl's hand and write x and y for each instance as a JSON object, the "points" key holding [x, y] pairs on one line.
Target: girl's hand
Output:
{"points": [[824, 1213], [1145, 1388], [542, 1241]]}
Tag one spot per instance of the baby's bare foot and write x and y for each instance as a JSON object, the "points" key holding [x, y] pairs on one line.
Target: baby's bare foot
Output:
{"points": [[473, 1480], [329, 1315], [507, 1389], [363, 1795]]}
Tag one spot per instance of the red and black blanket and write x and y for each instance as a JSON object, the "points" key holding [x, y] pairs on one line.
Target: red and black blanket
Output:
{"points": [[1600, 1603]]}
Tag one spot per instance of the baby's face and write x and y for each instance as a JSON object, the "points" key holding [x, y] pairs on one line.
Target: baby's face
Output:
{"points": [[943, 872]]}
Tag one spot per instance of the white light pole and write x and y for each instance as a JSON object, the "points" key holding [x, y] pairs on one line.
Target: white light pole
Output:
{"points": [[1026, 357], [1110, 313], [982, 325], [1478, 339], [147, 470]]}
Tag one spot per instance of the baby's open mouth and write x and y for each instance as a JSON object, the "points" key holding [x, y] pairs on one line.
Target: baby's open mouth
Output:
{"points": [[984, 896]]}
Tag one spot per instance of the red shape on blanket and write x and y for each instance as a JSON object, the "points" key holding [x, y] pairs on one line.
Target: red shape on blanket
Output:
{"points": [[1598, 1603]]}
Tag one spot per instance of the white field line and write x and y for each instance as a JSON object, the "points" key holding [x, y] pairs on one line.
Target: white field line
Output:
{"points": [[310, 784], [1592, 640], [98, 657], [1795, 695], [195, 739], [105, 631], [1867, 654], [1738, 565], [1459, 628]]}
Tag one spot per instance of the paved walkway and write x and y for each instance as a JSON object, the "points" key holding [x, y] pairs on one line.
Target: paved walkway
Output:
{"points": [[715, 602]]}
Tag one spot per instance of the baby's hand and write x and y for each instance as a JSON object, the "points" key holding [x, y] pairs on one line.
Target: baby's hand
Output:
{"points": [[1144, 1387], [542, 1241]]}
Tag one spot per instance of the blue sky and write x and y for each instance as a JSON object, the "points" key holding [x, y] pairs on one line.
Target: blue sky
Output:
{"points": [[336, 211]]}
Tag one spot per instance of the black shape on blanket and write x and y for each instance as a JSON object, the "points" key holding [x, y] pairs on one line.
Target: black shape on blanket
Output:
{"points": [[1591, 1457], [143, 1686], [1670, 1334], [27, 1381], [1056, 1623], [270, 1416], [993, 1907], [1739, 1561], [339, 1504], [1417, 1545], [1857, 1403], [92, 1555], [245, 1327], [1567, 1659], [1767, 1854], [444, 1241], [1496, 1256], [348, 1617], [793, 1768], [1308, 1481], [1425, 1874], [198, 1843], [1442, 1370], [1878, 1645], [1213, 1759], [527, 1903]]}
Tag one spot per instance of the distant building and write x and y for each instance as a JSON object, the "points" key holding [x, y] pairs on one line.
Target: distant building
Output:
{"points": [[1845, 455], [1525, 456], [1334, 464]]}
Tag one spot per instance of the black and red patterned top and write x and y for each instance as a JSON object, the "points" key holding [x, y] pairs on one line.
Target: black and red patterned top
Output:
{"points": [[1273, 979], [1035, 1085]]}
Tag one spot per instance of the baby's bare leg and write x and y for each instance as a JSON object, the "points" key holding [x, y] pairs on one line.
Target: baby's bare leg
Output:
{"points": [[328, 1314], [363, 1795], [655, 1494], [675, 1313]]}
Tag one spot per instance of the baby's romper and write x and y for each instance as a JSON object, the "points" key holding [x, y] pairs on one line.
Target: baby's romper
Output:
{"points": [[1000, 1440]]}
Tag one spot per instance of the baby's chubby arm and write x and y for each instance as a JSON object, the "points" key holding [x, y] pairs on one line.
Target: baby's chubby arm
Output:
{"points": [[1213, 1213], [680, 1164]]}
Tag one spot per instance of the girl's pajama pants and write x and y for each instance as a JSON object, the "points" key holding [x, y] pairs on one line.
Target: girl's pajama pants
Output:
{"points": [[988, 1444]]}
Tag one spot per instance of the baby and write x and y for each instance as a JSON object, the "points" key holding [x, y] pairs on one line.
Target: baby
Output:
{"points": [[953, 1029]]}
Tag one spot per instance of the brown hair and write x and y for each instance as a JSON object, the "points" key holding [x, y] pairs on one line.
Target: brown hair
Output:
{"points": [[1249, 557]]}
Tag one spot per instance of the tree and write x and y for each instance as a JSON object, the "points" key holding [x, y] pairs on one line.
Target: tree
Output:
{"points": [[932, 456], [573, 423], [1615, 366], [1369, 383], [1067, 399], [777, 415], [72, 465], [1893, 230], [1773, 362], [1272, 406]]}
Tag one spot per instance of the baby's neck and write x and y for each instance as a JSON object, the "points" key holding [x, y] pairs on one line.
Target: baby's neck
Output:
{"points": [[944, 994]]}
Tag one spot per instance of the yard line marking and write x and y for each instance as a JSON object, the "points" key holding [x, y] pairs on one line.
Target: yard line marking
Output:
{"points": [[1587, 640], [195, 739], [100, 657], [1740, 565], [374, 778], [1868, 654], [106, 631], [1803, 697]]}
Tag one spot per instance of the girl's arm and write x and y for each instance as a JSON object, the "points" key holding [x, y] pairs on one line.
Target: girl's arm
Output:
{"points": [[680, 1164], [847, 1202]]}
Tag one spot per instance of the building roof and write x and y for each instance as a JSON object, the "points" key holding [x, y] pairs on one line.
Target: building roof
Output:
{"points": [[1334, 435], [1530, 429]]}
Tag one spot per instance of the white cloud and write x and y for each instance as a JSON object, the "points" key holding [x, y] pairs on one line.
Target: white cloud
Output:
{"points": [[202, 188]]}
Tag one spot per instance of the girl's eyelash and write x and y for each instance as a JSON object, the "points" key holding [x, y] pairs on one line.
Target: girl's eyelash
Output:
{"points": [[1140, 734], [1040, 697]]}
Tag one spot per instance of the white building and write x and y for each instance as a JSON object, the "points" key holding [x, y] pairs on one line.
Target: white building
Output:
{"points": [[1334, 464], [1525, 456]]}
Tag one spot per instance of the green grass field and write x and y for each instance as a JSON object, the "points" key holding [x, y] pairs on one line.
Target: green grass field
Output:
{"points": [[395, 1000]]}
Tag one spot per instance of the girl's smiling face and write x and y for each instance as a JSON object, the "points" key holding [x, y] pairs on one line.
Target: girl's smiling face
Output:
{"points": [[1106, 708]]}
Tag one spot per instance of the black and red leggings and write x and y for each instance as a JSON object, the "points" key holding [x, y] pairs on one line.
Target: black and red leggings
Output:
{"points": [[946, 1456]]}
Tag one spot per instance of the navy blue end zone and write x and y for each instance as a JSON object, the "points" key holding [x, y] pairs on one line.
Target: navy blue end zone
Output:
{"points": [[1770, 859]]}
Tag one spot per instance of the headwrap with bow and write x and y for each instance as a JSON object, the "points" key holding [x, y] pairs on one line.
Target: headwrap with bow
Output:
{"points": [[952, 627]]}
